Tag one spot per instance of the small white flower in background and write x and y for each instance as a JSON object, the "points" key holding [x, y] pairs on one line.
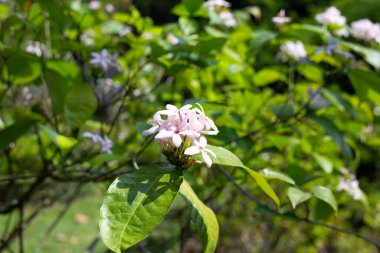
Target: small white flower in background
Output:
{"points": [[332, 17], [292, 51], [147, 36], [172, 39], [88, 37], [228, 18], [125, 31], [35, 47], [109, 8], [106, 143], [281, 18], [349, 184], [366, 30], [175, 128], [214, 4], [104, 60], [94, 5]]}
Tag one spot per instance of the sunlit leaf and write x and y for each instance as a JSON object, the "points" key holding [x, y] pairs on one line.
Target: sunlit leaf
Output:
{"points": [[203, 218], [135, 204], [297, 196]]}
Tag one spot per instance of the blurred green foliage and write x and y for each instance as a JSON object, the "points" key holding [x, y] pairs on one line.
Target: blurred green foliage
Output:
{"points": [[266, 110]]}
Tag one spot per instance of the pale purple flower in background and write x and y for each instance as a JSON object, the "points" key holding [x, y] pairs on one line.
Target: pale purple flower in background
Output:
{"points": [[317, 101], [147, 36], [94, 5], [106, 61], [349, 184], [101, 59], [228, 18], [200, 147], [281, 18], [105, 142], [292, 51], [366, 30]]}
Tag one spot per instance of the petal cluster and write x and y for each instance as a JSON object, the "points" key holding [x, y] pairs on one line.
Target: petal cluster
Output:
{"points": [[332, 18], [221, 9], [179, 126], [292, 51], [349, 184], [281, 18], [366, 30]]}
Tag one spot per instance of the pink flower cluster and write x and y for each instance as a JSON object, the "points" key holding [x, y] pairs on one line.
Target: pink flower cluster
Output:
{"points": [[179, 126]]}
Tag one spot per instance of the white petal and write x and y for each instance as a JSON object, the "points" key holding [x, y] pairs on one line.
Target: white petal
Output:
{"points": [[203, 142], [171, 107], [207, 159], [190, 133], [210, 151], [150, 131], [166, 112], [164, 134], [177, 140], [185, 107], [210, 132], [193, 150]]}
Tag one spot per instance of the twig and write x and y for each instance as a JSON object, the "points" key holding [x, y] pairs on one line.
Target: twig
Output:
{"points": [[92, 245]]}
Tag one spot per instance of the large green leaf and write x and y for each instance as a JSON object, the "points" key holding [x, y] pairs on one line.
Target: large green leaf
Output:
{"points": [[372, 56], [226, 157], [203, 218], [297, 196], [325, 194], [272, 174], [135, 204], [80, 104]]}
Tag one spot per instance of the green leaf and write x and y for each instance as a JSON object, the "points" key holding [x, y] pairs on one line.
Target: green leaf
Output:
{"points": [[366, 84], [259, 39], [336, 134], [202, 217], [135, 204], [272, 174], [14, 131], [311, 72], [226, 157], [325, 194], [297, 196], [61, 141], [372, 56], [58, 88], [192, 5], [283, 112], [325, 163], [80, 104], [267, 76], [24, 73]]}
